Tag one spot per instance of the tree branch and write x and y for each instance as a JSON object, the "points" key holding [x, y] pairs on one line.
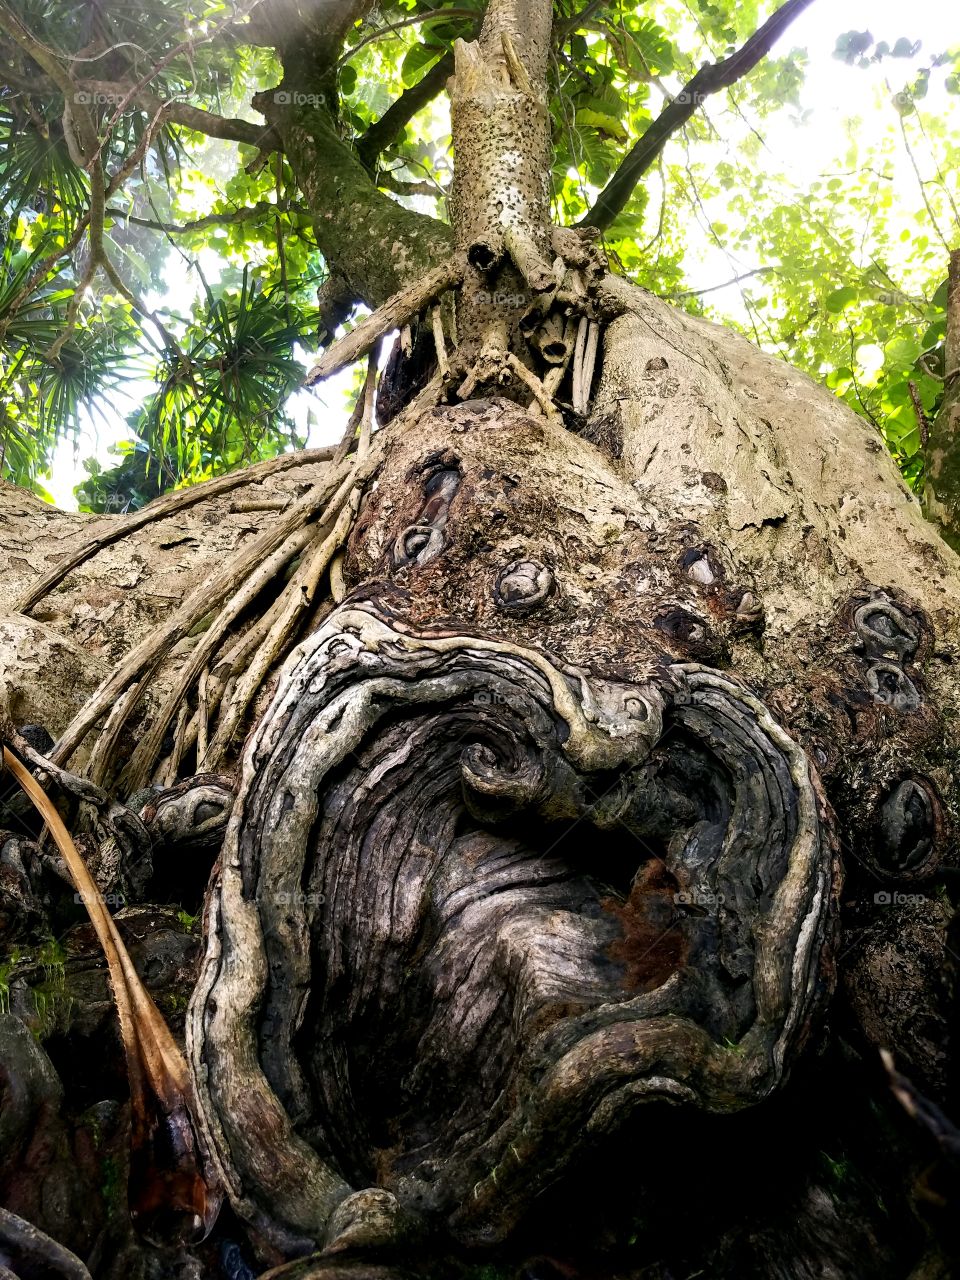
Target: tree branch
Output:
{"points": [[185, 46], [699, 293], [248, 213], [263, 137], [708, 80], [196, 118], [392, 27], [391, 124], [342, 198], [564, 29]]}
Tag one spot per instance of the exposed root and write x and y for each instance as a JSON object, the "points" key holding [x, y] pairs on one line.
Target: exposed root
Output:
{"points": [[538, 274], [167, 1171], [349, 432], [169, 505], [438, 341], [253, 577], [394, 314], [219, 680], [299, 597], [368, 398], [27, 1245], [554, 376], [222, 582], [584, 367], [531, 380]]}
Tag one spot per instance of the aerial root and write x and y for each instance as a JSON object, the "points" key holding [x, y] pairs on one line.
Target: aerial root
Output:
{"points": [[295, 566], [170, 504], [395, 313], [27, 1244], [161, 1093], [291, 566]]}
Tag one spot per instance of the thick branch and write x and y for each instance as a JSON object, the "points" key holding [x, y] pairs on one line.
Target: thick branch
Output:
{"points": [[708, 80], [195, 118], [369, 240], [214, 126]]}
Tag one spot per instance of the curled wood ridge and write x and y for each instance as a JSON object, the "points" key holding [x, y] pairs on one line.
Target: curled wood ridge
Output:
{"points": [[475, 908]]}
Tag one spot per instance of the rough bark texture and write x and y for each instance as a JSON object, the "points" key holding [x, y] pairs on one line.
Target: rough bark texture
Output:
{"points": [[541, 831], [942, 453], [364, 236], [627, 748], [53, 659]]}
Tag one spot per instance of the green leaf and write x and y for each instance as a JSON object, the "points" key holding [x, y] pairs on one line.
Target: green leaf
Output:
{"points": [[840, 299], [905, 48], [348, 79], [852, 45], [606, 125], [418, 62]]}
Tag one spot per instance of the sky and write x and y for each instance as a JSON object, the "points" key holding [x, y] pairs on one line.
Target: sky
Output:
{"points": [[832, 94]]}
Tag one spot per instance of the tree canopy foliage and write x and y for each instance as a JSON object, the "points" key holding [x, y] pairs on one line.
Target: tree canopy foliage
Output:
{"points": [[167, 244]]}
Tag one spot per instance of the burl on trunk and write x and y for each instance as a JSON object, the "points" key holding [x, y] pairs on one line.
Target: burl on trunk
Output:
{"points": [[603, 721]]}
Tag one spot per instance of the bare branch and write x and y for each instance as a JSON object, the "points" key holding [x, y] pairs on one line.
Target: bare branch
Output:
{"points": [[246, 213], [392, 27], [699, 293], [563, 29], [708, 80], [185, 46]]}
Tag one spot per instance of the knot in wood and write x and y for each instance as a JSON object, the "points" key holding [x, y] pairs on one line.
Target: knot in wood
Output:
{"points": [[523, 586]]}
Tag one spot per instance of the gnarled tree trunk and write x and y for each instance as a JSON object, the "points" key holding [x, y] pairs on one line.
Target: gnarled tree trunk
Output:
{"points": [[593, 834]]}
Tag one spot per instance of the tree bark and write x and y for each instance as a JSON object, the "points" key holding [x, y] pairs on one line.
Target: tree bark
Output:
{"points": [[598, 794], [942, 454], [611, 722]]}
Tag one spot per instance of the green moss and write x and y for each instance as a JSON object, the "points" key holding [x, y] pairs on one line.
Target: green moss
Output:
{"points": [[173, 1002], [840, 1170], [50, 994], [111, 1183], [7, 967]]}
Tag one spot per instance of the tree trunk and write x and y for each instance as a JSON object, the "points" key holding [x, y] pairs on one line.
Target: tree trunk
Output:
{"points": [[605, 803]]}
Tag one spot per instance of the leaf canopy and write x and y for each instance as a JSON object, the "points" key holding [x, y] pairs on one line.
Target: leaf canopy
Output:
{"points": [[219, 293]]}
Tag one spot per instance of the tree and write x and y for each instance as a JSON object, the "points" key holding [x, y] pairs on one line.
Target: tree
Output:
{"points": [[575, 757]]}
